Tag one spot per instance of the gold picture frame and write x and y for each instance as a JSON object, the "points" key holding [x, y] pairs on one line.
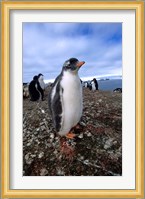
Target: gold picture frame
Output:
{"points": [[138, 6]]}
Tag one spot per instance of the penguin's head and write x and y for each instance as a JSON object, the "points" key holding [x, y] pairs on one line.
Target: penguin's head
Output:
{"points": [[72, 65], [40, 76], [35, 78]]}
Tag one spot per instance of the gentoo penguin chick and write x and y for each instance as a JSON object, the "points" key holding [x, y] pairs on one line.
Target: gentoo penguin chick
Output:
{"points": [[33, 89], [41, 87], [65, 98]]}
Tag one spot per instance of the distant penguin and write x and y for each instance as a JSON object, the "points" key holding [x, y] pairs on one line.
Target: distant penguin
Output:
{"points": [[41, 86], [90, 85], [94, 84], [25, 91], [86, 84], [65, 98], [33, 89], [41, 81], [118, 90]]}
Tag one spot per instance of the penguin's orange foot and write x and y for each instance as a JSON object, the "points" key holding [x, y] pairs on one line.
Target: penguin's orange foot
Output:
{"points": [[70, 135]]}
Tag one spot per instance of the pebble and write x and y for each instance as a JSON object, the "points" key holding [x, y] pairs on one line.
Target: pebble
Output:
{"points": [[43, 128], [81, 135], [55, 152], [29, 143], [41, 155], [115, 142], [86, 162], [27, 156], [51, 140], [89, 146], [28, 159], [49, 145], [82, 123], [60, 172], [82, 158], [43, 172], [108, 143], [100, 100], [52, 135], [56, 138], [33, 156], [89, 134], [42, 111]]}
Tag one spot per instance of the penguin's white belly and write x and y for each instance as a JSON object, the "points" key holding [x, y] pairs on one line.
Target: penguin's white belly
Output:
{"points": [[71, 102], [93, 86]]}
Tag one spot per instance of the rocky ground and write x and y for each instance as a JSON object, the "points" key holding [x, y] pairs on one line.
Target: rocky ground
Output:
{"points": [[97, 147]]}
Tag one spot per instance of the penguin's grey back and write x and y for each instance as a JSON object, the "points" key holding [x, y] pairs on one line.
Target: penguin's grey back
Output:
{"points": [[54, 103]]}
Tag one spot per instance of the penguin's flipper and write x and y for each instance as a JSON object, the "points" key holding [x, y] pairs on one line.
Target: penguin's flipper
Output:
{"points": [[52, 92], [57, 108], [55, 104]]}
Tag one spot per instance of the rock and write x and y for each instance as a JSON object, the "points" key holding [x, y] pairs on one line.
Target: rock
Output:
{"points": [[86, 162], [114, 142], [108, 143], [82, 158], [28, 158], [81, 135], [33, 156], [43, 172], [51, 135], [82, 124], [43, 128], [60, 172], [55, 152], [41, 155], [49, 145], [100, 100], [29, 143], [89, 134], [42, 111]]}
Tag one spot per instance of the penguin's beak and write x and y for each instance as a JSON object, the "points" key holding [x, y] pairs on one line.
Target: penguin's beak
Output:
{"points": [[79, 64]]}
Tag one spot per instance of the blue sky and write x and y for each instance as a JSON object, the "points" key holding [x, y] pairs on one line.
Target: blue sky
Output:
{"points": [[47, 45]]}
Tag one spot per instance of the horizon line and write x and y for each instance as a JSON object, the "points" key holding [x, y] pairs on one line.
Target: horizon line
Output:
{"points": [[115, 76]]}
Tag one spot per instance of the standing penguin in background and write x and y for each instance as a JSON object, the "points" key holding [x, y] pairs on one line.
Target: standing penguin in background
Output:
{"points": [[41, 86], [65, 99], [33, 89], [94, 84]]}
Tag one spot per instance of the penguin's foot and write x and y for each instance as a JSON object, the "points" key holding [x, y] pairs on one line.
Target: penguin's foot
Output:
{"points": [[70, 135]]}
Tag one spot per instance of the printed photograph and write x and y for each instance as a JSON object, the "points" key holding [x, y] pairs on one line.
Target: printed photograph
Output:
{"points": [[72, 99]]}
